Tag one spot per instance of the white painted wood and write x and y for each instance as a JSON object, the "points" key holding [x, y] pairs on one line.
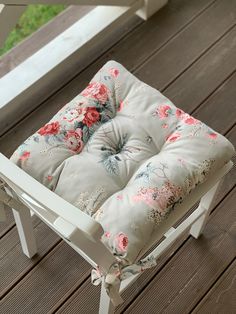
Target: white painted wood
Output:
{"points": [[105, 306], [43, 213], [166, 243], [49, 62], [150, 7], [8, 200], [184, 226], [169, 232], [189, 201], [26, 231], [175, 216], [67, 2], [206, 205], [83, 233], [22, 183], [23, 221], [9, 16], [79, 230], [93, 251], [193, 219]]}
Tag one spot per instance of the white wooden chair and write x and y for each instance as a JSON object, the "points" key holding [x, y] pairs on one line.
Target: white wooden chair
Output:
{"points": [[80, 231], [25, 195]]}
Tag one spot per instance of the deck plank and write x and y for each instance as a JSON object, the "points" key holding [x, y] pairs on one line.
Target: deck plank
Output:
{"points": [[194, 268], [221, 298], [203, 77], [183, 50], [7, 225], [13, 263], [227, 92], [89, 292], [41, 37], [147, 39], [224, 97], [58, 275], [73, 68], [87, 297], [161, 27], [47, 283]]}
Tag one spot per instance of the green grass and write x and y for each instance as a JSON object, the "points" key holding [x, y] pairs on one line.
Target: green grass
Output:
{"points": [[31, 20]]}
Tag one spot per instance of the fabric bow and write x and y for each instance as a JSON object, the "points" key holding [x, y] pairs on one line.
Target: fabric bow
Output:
{"points": [[117, 273]]}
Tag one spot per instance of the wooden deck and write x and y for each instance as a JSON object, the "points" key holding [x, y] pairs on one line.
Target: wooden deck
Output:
{"points": [[188, 51]]}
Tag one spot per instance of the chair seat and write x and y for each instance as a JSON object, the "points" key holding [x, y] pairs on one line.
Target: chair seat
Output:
{"points": [[124, 154]]}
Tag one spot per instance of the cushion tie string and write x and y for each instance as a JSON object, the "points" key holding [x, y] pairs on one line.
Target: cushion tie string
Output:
{"points": [[118, 272]]}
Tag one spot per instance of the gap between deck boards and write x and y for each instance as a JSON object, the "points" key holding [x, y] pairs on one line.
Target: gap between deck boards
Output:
{"points": [[218, 87]]}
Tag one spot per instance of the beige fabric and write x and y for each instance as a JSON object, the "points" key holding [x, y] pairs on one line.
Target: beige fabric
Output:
{"points": [[124, 154]]}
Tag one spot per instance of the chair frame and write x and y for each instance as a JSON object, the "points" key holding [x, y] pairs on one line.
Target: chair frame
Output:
{"points": [[25, 196]]}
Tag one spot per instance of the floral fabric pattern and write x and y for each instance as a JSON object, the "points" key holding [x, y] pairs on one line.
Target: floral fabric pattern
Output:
{"points": [[96, 90], [124, 154]]}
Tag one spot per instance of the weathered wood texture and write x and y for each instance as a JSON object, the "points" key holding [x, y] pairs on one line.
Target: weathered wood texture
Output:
{"points": [[70, 61], [223, 293], [188, 276], [196, 69], [40, 38]]}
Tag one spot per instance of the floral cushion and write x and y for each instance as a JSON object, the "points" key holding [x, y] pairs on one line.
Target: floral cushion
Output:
{"points": [[124, 154]]}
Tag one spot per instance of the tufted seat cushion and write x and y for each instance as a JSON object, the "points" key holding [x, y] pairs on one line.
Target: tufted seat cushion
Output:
{"points": [[123, 153]]}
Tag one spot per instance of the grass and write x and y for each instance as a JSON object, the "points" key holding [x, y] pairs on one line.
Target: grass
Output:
{"points": [[31, 20]]}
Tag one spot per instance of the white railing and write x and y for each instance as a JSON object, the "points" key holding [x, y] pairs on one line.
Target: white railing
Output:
{"points": [[20, 84]]}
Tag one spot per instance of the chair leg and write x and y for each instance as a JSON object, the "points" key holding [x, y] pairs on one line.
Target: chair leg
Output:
{"points": [[106, 306], [26, 231], [205, 204], [151, 7]]}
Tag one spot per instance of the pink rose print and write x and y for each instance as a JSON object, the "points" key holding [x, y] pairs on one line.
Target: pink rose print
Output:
{"points": [[97, 91], [107, 234], [179, 113], [212, 135], [75, 114], [163, 111], [119, 197], [144, 195], [25, 155], [173, 137], [91, 116], [114, 72], [50, 129], [190, 120], [185, 117], [121, 106], [158, 198], [162, 201], [74, 141], [121, 242], [49, 178]]}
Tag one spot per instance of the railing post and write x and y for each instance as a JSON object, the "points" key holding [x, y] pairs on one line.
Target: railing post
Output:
{"points": [[9, 16], [151, 7]]}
